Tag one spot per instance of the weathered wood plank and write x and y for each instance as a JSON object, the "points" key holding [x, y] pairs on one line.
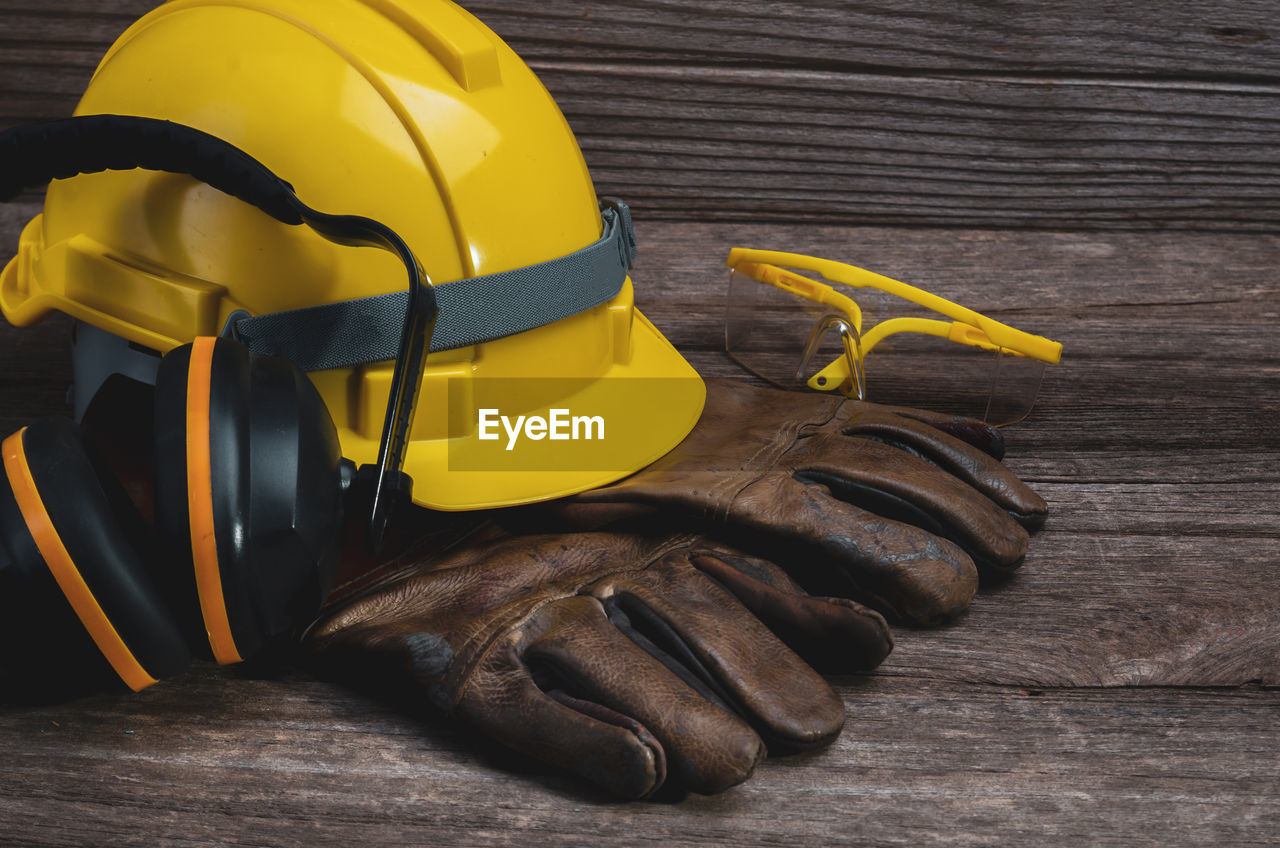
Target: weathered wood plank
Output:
{"points": [[1075, 273], [723, 143], [1211, 40], [213, 758], [1111, 607], [1156, 442], [1156, 445], [1048, 134], [1192, 39]]}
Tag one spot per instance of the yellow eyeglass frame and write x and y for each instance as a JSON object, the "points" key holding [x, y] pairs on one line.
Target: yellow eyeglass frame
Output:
{"points": [[965, 327]]}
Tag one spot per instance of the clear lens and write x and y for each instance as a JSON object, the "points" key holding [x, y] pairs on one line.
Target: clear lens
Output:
{"points": [[789, 340], [927, 372], [768, 332], [1014, 389]]}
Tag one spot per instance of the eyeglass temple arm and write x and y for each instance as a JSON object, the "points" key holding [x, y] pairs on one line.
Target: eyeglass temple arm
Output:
{"points": [[836, 373], [810, 290], [955, 331], [997, 333]]}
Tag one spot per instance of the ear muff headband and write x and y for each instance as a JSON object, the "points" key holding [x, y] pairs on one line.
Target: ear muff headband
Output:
{"points": [[33, 154], [204, 545], [73, 586]]}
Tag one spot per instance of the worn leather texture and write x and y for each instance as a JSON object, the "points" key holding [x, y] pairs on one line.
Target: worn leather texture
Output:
{"points": [[896, 507], [646, 661], [638, 662]]}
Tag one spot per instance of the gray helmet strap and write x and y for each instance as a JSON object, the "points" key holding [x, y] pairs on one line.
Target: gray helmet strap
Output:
{"points": [[472, 310], [354, 332]]}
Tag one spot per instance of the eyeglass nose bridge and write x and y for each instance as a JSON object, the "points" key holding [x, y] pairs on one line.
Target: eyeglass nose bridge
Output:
{"points": [[845, 373]]}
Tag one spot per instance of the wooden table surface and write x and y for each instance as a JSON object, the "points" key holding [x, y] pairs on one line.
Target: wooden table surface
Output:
{"points": [[1123, 688]]}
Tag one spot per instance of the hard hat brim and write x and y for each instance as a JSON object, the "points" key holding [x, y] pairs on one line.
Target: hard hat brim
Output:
{"points": [[649, 404]]}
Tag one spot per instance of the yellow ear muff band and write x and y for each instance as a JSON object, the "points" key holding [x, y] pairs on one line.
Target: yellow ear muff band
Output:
{"points": [[54, 552], [204, 547]]}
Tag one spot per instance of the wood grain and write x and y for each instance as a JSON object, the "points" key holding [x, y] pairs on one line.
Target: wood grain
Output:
{"points": [[1120, 689], [1200, 39], [1070, 702], [295, 762], [1195, 39], [999, 115]]}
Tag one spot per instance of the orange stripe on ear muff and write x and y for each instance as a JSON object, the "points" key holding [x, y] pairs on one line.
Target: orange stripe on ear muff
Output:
{"points": [[204, 547], [56, 557]]}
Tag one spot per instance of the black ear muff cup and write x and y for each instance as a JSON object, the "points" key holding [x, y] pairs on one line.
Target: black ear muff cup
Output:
{"points": [[76, 569], [47, 652], [172, 511], [296, 492], [248, 491]]}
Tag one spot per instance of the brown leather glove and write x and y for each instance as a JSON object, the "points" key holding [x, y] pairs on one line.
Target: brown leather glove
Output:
{"points": [[631, 660], [885, 504]]}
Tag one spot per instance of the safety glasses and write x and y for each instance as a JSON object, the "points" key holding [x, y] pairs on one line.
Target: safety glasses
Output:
{"points": [[931, 353]]}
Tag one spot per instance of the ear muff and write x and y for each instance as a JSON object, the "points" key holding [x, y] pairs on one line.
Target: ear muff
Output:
{"points": [[248, 492], [71, 540], [34, 154], [249, 477]]}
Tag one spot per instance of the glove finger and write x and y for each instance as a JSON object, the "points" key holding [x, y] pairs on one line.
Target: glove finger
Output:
{"points": [[603, 746], [701, 632], [904, 487], [577, 650], [982, 436], [832, 634], [933, 437], [895, 567], [498, 697]]}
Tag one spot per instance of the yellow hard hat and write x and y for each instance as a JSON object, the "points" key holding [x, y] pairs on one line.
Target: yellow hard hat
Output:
{"points": [[409, 112]]}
